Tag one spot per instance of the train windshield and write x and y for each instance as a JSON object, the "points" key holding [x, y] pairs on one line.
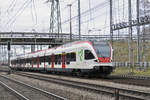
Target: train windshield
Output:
{"points": [[102, 49]]}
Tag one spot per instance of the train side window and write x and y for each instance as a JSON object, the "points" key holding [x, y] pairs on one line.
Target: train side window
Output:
{"points": [[30, 60], [12, 62], [17, 61], [21, 61], [59, 59], [35, 60], [47, 59], [68, 58], [88, 55], [25, 60], [56, 59], [42, 59], [73, 56]]}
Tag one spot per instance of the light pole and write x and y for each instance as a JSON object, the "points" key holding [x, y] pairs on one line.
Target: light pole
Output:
{"points": [[69, 5]]}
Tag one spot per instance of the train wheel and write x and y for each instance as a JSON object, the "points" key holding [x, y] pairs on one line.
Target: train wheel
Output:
{"points": [[79, 73], [90, 75]]}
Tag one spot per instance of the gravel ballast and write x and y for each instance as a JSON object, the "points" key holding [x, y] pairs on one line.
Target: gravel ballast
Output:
{"points": [[67, 92]]}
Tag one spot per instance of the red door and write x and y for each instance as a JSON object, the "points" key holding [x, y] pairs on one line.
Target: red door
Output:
{"points": [[63, 60], [32, 62], [52, 60]]}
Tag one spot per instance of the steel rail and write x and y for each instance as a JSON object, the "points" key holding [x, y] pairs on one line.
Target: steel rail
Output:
{"points": [[56, 97], [132, 77], [128, 93], [17, 94]]}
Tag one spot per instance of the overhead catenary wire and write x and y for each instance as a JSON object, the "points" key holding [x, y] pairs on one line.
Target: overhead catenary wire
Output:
{"points": [[11, 6], [20, 11], [34, 13], [105, 20], [85, 13]]}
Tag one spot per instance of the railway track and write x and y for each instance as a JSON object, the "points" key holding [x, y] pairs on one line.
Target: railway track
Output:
{"points": [[132, 77], [122, 79], [126, 94], [24, 91], [130, 80], [6, 95]]}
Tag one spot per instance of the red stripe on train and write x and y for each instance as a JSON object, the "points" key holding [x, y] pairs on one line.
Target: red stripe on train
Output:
{"points": [[63, 61], [32, 62], [38, 62]]}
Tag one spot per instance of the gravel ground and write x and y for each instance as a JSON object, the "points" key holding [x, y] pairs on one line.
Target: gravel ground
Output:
{"points": [[67, 92], [3, 67], [99, 82], [25, 91], [76, 94], [6, 95]]}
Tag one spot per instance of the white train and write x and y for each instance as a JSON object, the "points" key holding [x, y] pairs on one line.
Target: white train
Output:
{"points": [[80, 57]]}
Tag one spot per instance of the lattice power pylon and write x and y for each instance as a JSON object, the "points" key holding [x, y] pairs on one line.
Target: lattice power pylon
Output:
{"points": [[55, 17]]}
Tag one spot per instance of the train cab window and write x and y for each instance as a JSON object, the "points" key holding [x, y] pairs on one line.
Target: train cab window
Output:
{"points": [[88, 55]]}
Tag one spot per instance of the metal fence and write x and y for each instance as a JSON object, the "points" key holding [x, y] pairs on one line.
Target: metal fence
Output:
{"points": [[122, 63], [140, 70]]}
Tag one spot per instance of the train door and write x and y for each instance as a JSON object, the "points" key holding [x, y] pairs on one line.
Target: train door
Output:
{"points": [[63, 60], [44, 61], [52, 60], [32, 62], [38, 62], [80, 58]]}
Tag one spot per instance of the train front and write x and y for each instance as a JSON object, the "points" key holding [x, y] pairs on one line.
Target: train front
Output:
{"points": [[104, 54]]}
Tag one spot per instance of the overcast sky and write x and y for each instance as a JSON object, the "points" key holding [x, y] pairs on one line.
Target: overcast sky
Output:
{"points": [[15, 18], [20, 15]]}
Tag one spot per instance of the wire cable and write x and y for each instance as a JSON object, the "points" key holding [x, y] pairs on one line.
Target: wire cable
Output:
{"points": [[19, 12], [85, 13]]}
